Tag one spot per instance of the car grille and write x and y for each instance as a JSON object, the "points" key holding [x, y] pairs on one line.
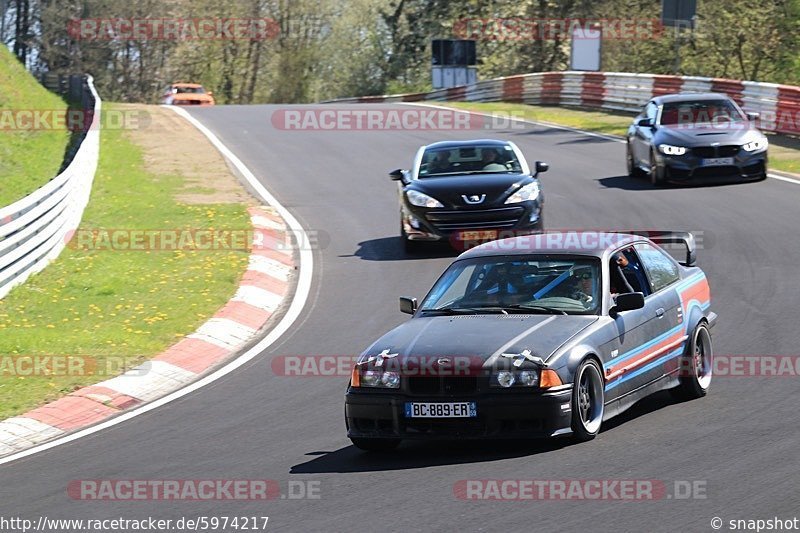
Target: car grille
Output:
{"points": [[446, 428], [715, 172], [442, 386], [716, 151], [504, 217]]}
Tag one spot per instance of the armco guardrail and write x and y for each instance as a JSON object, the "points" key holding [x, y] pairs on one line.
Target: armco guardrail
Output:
{"points": [[779, 105], [35, 229]]}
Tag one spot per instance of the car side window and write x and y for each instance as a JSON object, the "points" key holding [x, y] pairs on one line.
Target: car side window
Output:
{"points": [[660, 268], [650, 111], [627, 273]]}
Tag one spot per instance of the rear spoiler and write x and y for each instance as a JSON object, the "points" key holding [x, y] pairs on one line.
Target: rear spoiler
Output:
{"points": [[673, 237]]}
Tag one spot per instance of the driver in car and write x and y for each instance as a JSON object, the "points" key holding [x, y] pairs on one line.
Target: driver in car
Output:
{"points": [[582, 286], [440, 163], [491, 160], [579, 286]]}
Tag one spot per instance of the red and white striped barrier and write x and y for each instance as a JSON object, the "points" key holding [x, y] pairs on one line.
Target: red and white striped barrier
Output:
{"points": [[261, 292], [778, 105]]}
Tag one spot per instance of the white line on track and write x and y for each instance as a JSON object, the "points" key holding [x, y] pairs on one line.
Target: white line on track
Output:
{"points": [[612, 138], [302, 290]]}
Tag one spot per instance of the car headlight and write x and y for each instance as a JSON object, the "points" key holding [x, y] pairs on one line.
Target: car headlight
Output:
{"points": [[753, 146], [515, 378], [668, 149], [528, 192], [422, 200], [529, 378], [375, 378]]}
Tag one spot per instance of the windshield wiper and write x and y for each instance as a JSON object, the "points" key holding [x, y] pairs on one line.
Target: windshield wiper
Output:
{"points": [[542, 308], [470, 172], [465, 310]]}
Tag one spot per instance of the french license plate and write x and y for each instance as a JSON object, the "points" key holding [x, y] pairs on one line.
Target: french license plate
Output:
{"points": [[477, 235], [441, 410], [718, 162]]}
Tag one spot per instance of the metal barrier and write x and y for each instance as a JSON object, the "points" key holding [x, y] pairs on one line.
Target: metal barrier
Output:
{"points": [[778, 105], [35, 229]]}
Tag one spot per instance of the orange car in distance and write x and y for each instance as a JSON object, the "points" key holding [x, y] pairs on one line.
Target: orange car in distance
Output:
{"points": [[186, 94]]}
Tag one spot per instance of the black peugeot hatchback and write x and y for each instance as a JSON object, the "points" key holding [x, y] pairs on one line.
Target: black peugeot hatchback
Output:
{"points": [[469, 192]]}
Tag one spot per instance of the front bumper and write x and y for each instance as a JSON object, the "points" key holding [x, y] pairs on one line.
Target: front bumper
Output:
{"points": [[446, 224], [504, 414], [746, 165]]}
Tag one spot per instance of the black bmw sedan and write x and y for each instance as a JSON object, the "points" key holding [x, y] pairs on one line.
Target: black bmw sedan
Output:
{"points": [[681, 137], [468, 192]]}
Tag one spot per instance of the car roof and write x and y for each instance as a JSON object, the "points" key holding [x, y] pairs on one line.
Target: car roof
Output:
{"points": [[186, 85], [689, 97], [593, 243], [474, 142]]}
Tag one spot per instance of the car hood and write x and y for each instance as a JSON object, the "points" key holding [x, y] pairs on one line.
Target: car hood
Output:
{"points": [[706, 136], [450, 189], [480, 338]]}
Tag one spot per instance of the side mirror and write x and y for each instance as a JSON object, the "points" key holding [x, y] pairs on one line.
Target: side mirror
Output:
{"points": [[691, 258], [408, 305], [752, 117], [645, 123], [627, 302], [396, 175], [210, 93], [541, 166]]}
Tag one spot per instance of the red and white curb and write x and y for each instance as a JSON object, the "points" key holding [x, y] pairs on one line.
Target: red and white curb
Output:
{"points": [[262, 291]]}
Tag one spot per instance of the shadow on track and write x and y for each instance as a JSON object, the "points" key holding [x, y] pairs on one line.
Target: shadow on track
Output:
{"points": [[420, 454], [391, 249], [586, 139], [628, 183], [424, 454], [643, 407]]}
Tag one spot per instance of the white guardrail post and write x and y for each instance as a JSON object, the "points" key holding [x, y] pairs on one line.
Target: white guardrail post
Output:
{"points": [[35, 229]]}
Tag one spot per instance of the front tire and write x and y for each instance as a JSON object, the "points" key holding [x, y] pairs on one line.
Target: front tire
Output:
{"points": [[375, 445], [696, 366], [588, 401], [633, 169], [656, 174], [409, 246]]}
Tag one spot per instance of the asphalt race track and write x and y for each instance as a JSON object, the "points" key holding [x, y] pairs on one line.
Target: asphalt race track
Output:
{"points": [[740, 442]]}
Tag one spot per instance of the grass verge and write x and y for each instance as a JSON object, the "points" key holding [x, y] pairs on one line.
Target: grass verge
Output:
{"points": [[118, 304], [784, 151], [28, 158]]}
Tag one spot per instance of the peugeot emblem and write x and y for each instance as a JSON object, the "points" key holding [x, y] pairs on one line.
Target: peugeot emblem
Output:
{"points": [[474, 198]]}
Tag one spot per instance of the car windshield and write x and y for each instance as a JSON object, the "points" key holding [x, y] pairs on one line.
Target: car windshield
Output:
{"points": [[190, 90], [483, 159], [714, 112], [525, 284]]}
